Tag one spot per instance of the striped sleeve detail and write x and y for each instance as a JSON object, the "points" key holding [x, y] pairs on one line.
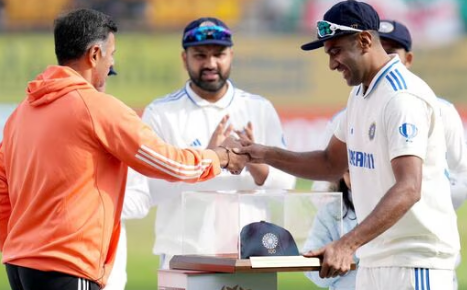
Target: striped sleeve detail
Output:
{"points": [[401, 78], [396, 79], [171, 167]]}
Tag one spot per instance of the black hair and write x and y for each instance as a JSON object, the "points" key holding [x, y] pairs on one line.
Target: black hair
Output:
{"points": [[348, 204], [76, 31]]}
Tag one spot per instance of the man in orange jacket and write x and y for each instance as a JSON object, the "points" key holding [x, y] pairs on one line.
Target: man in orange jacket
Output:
{"points": [[63, 164]]}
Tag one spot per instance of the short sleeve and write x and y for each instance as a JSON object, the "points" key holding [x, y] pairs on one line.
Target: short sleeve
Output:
{"points": [[340, 126], [407, 121]]}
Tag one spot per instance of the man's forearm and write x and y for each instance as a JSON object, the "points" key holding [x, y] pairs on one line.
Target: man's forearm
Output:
{"points": [[310, 165]]}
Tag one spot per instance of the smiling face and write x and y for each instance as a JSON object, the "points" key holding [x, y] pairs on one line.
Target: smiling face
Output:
{"points": [[209, 68], [345, 56]]}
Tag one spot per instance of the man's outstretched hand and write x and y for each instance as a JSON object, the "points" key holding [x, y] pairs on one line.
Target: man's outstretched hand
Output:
{"points": [[255, 152], [230, 160]]}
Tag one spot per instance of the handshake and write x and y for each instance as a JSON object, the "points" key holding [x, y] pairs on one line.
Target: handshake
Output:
{"points": [[234, 154]]}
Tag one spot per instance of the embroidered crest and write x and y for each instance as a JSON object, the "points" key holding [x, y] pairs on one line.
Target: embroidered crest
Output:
{"points": [[270, 242]]}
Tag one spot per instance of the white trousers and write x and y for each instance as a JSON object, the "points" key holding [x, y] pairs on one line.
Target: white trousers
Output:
{"points": [[397, 278]]}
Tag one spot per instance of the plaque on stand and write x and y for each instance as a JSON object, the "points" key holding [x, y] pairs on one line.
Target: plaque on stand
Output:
{"points": [[251, 265]]}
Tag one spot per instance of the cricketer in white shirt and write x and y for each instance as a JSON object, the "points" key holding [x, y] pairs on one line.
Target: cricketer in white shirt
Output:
{"points": [[402, 118], [456, 157]]}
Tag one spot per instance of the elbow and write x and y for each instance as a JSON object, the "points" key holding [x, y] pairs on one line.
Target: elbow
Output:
{"points": [[417, 197], [414, 194]]}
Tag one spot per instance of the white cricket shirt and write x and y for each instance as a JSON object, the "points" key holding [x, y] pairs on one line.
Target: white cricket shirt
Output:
{"points": [[399, 115], [184, 119]]}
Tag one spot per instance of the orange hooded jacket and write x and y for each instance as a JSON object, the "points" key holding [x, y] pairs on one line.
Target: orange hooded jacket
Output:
{"points": [[63, 166]]}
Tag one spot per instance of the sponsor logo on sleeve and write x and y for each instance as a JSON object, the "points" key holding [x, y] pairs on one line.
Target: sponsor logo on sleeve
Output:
{"points": [[408, 131]]}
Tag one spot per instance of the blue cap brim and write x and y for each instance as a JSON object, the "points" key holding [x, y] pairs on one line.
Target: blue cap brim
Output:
{"points": [[315, 44], [207, 42]]}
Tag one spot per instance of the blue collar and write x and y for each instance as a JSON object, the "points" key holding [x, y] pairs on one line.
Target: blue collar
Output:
{"points": [[382, 72]]}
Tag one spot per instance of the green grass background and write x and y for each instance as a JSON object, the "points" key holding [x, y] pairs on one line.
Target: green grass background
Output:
{"points": [[149, 66]]}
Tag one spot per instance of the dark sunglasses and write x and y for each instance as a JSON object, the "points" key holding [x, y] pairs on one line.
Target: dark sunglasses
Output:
{"points": [[207, 32]]}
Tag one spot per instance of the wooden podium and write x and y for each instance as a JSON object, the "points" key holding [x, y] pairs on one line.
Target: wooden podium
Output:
{"points": [[193, 272]]}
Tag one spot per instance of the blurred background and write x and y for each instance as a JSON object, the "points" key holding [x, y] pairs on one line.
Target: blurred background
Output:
{"points": [[268, 61]]}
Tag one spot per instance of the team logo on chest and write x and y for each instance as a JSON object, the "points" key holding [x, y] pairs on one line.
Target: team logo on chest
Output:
{"points": [[372, 131], [408, 131]]}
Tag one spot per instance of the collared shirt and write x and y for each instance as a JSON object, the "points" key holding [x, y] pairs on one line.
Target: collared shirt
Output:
{"points": [[399, 115]]}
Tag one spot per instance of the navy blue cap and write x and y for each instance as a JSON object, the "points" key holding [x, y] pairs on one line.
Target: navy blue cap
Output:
{"points": [[350, 13], [266, 239], [396, 31], [206, 30]]}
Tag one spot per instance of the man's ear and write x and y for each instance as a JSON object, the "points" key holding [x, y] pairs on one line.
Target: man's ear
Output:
{"points": [[366, 40], [408, 59], [93, 54]]}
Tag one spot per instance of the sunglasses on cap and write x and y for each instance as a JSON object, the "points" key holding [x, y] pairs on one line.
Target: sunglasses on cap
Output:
{"points": [[206, 33], [326, 28]]}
